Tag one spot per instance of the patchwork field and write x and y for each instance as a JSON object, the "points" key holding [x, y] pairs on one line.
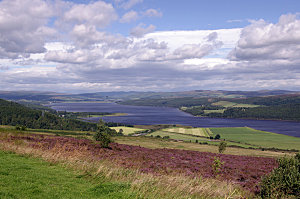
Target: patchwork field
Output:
{"points": [[127, 130], [190, 131], [258, 138]]}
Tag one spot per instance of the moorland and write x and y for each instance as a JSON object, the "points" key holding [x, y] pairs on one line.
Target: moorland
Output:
{"points": [[49, 153]]}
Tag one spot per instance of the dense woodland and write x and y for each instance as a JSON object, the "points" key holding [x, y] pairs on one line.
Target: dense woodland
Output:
{"points": [[12, 113]]}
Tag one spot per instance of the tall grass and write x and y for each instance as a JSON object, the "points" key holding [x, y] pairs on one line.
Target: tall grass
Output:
{"points": [[144, 185]]}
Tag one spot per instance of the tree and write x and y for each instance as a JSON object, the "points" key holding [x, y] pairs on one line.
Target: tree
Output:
{"points": [[103, 134], [222, 146], [217, 137]]}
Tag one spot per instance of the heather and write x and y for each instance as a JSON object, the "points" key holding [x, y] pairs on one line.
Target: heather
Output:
{"points": [[245, 171]]}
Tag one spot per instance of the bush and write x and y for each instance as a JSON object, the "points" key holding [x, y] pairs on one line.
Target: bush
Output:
{"points": [[217, 166], [217, 137], [284, 181], [103, 134], [222, 146]]}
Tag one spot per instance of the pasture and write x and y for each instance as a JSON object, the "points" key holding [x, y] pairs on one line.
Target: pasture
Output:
{"points": [[228, 104], [258, 138], [127, 130], [189, 131]]}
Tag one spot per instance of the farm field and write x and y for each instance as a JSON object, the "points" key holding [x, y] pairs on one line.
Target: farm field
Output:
{"points": [[26, 177], [194, 139], [258, 138], [190, 131], [127, 130], [228, 104], [154, 143]]}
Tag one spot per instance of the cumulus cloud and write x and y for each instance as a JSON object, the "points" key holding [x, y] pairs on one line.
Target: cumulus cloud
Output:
{"points": [[152, 13], [267, 41], [98, 13], [23, 27], [129, 17], [141, 30]]}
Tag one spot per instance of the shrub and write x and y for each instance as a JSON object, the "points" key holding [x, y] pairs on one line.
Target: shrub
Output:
{"points": [[103, 134], [166, 137], [222, 146], [217, 166], [217, 137], [284, 181]]}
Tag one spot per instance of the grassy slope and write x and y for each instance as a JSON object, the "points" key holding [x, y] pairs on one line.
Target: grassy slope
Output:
{"points": [[258, 138], [228, 104], [24, 177], [154, 143], [127, 130], [189, 131]]}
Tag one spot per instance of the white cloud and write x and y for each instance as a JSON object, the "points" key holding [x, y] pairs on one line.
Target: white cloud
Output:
{"points": [[152, 13], [130, 3], [141, 30], [98, 13], [263, 41], [23, 27], [129, 17]]}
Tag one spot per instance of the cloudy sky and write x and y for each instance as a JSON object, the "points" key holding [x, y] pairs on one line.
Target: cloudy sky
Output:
{"points": [[149, 45]]}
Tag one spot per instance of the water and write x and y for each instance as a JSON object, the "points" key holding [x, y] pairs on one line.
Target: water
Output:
{"points": [[163, 115]]}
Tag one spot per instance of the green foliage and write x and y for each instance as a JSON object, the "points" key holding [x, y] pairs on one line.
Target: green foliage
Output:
{"points": [[217, 166], [284, 181], [14, 114], [21, 128], [222, 147], [104, 134], [217, 137]]}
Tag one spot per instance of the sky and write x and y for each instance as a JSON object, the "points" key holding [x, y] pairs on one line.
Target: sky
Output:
{"points": [[81, 46]]}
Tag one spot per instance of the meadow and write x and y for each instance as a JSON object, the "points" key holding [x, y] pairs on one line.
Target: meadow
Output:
{"points": [[258, 138], [228, 104], [127, 130]]}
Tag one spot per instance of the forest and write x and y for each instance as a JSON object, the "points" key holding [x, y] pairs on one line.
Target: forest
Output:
{"points": [[14, 114]]}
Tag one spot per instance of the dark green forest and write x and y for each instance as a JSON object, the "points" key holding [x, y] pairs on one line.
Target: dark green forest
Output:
{"points": [[14, 114]]}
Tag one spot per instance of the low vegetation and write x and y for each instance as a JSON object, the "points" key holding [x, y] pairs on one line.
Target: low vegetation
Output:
{"points": [[27, 177], [258, 138], [149, 173]]}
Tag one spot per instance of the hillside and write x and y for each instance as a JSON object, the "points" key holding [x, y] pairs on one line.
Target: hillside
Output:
{"points": [[12, 113]]}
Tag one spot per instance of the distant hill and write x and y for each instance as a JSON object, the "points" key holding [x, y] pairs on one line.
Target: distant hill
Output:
{"points": [[45, 97], [12, 113]]}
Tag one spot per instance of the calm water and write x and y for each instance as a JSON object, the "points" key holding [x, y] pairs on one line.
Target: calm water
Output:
{"points": [[164, 115]]}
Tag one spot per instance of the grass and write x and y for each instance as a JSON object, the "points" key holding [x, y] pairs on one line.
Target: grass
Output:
{"points": [[258, 138], [214, 111], [228, 104], [189, 131], [106, 179], [27, 177], [194, 139], [154, 143], [127, 130]]}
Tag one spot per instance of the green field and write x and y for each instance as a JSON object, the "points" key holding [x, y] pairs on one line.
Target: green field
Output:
{"points": [[25, 177], [214, 111], [189, 131], [228, 104], [258, 138], [191, 138], [127, 130]]}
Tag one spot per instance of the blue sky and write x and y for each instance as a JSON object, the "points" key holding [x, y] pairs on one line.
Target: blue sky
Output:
{"points": [[149, 45]]}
